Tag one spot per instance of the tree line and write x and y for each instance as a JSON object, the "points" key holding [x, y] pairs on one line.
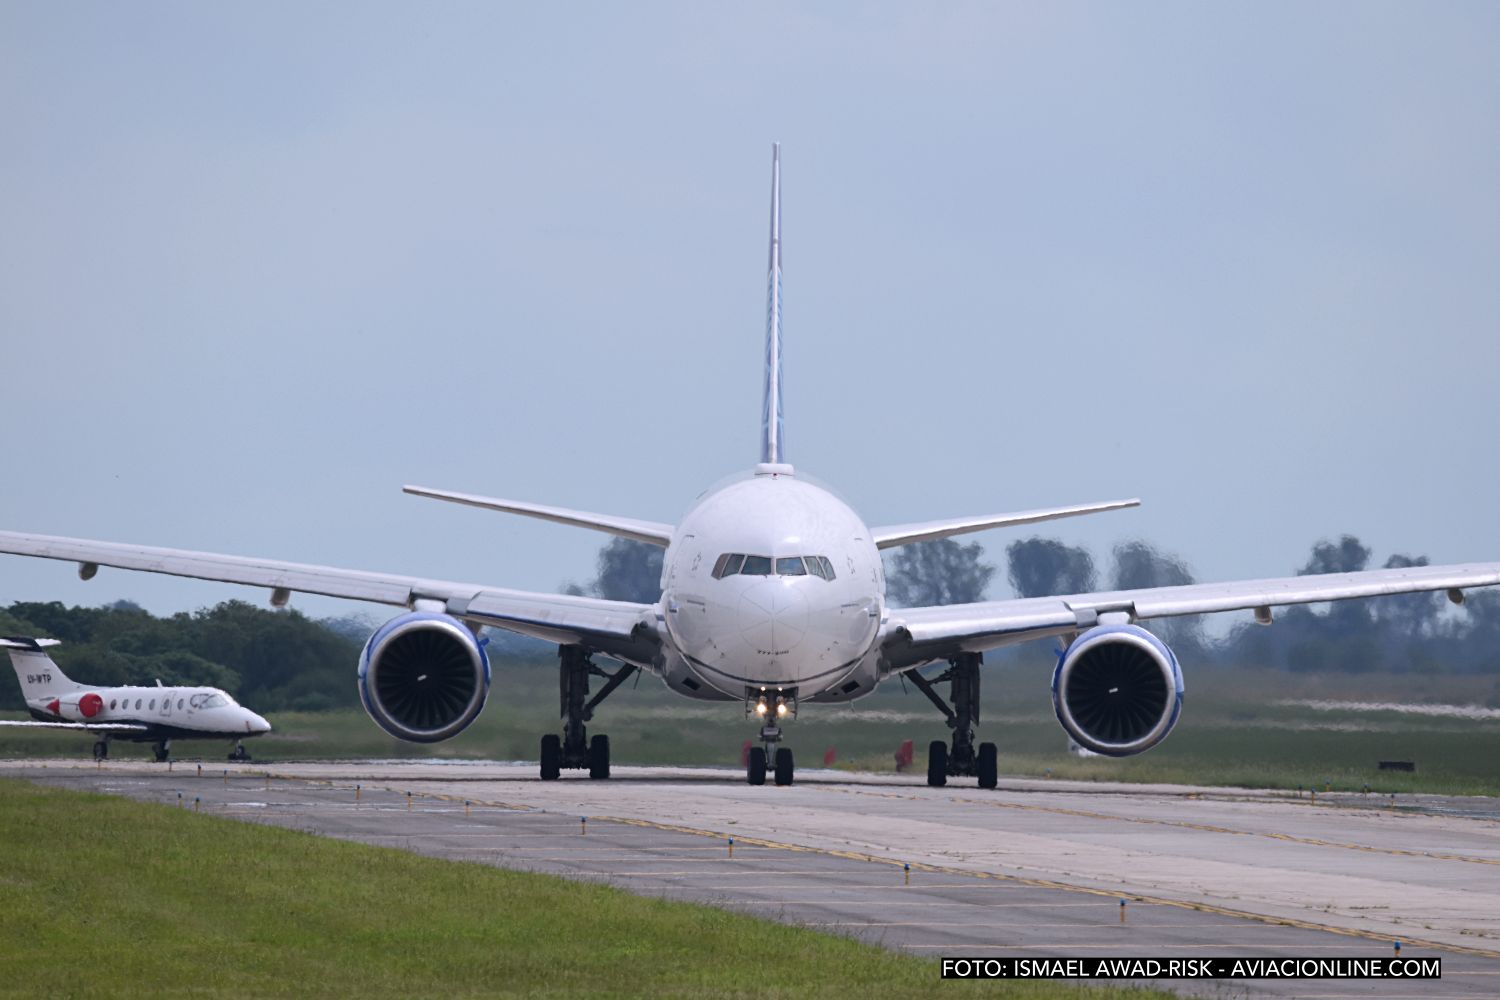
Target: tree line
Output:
{"points": [[270, 660]]}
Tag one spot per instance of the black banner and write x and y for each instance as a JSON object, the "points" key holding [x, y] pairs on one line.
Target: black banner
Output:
{"points": [[1192, 968]]}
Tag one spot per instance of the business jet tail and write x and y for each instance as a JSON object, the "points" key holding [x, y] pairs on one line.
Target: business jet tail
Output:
{"points": [[39, 676]]}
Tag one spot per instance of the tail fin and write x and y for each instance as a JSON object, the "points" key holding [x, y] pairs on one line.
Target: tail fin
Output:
{"points": [[39, 676], [771, 448]]}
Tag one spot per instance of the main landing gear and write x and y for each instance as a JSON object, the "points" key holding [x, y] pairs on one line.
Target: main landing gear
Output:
{"points": [[961, 758], [574, 749], [101, 749], [163, 750], [768, 754], [239, 754]]}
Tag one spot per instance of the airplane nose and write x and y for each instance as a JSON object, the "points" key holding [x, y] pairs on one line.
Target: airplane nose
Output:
{"points": [[773, 617], [257, 724]]}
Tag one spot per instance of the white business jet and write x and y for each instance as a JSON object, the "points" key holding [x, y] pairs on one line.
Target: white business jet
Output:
{"points": [[156, 715], [773, 595]]}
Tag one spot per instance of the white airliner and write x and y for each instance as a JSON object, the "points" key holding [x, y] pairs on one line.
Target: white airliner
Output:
{"points": [[156, 715], [774, 596]]}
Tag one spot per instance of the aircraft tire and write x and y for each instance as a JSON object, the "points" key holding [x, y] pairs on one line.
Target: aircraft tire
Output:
{"points": [[101, 750], [599, 757], [551, 757], [988, 765], [937, 764], [755, 771], [784, 766]]}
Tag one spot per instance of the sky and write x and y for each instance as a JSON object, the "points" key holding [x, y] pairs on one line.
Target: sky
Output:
{"points": [[261, 264]]}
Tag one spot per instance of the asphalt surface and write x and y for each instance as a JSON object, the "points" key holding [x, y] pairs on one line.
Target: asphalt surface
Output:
{"points": [[1035, 869]]}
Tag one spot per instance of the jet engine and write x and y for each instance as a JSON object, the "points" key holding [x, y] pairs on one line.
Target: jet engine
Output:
{"points": [[1117, 690], [90, 705], [423, 677]]}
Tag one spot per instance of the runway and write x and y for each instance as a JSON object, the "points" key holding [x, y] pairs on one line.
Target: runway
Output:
{"points": [[1036, 868]]}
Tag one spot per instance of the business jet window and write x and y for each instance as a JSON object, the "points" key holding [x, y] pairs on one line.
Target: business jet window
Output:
{"points": [[179, 704], [112, 702], [138, 704]]}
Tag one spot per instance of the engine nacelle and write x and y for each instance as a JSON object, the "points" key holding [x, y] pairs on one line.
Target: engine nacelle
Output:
{"points": [[423, 677], [1117, 690]]}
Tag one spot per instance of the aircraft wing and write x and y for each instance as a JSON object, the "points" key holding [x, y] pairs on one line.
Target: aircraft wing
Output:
{"points": [[891, 535], [93, 727], [616, 628], [912, 636]]}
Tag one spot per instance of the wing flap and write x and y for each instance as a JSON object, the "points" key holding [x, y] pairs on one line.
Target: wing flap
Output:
{"points": [[926, 531]]}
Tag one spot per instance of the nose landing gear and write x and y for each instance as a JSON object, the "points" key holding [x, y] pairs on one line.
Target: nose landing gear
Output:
{"points": [[962, 758], [778, 758], [574, 749]]}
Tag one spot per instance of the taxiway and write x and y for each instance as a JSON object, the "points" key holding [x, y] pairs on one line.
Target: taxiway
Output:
{"points": [[1034, 868]]}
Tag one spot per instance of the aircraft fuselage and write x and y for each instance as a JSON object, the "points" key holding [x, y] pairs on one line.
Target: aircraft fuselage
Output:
{"points": [[772, 585]]}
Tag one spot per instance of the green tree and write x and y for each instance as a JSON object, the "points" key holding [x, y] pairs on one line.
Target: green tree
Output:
{"points": [[629, 571], [923, 574], [1045, 567]]}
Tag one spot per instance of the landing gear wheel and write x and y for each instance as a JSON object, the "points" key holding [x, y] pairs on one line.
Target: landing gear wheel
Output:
{"points": [[101, 750], [239, 755], [551, 757], [755, 770], [163, 752], [987, 766], [937, 764], [599, 756], [783, 766]]}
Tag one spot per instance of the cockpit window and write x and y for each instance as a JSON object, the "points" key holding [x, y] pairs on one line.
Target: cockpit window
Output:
{"points": [[757, 566], [212, 700], [728, 565], [734, 563]]}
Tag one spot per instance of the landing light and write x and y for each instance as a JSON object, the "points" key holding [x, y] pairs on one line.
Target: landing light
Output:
{"points": [[780, 707], [760, 707]]}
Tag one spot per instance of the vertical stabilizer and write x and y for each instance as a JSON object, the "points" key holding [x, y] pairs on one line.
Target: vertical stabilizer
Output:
{"points": [[39, 676], [771, 448]]}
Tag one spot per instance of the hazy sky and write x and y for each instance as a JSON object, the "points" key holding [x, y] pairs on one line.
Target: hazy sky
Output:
{"points": [[260, 264]]}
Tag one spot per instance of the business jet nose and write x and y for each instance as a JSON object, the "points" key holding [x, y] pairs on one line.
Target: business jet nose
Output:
{"points": [[256, 724], [773, 617]]}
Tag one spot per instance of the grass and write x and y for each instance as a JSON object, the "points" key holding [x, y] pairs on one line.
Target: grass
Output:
{"points": [[1234, 731], [103, 896]]}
